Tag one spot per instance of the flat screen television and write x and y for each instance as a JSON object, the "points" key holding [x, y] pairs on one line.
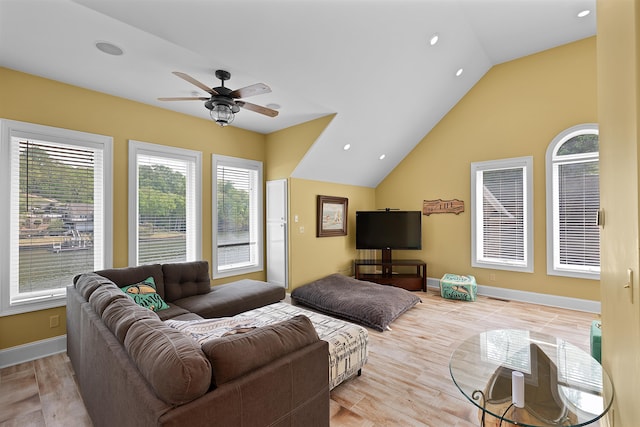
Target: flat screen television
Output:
{"points": [[389, 230]]}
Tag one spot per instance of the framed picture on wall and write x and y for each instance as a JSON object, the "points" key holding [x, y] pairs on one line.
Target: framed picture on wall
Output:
{"points": [[332, 216]]}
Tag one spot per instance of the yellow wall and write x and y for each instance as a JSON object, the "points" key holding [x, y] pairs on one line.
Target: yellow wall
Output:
{"points": [[32, 99], [619, 116], [285, 148], [312, 257], [515, 110]]}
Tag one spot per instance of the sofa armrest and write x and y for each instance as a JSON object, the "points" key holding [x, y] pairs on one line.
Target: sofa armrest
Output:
{"points": [[236, 355]]}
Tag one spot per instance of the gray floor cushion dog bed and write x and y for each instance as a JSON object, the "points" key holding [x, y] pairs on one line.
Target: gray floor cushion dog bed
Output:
{"points": [[366, 303]]}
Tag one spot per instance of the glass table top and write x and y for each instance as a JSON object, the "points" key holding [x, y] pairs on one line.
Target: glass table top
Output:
{"points": [[563, 385]]}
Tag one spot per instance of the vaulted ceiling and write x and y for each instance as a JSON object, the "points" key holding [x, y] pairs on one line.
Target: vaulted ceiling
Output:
{"points": [[369, 62]]}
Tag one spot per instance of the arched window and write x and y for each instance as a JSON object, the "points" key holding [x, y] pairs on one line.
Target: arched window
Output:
{"points": [[573, 201]]}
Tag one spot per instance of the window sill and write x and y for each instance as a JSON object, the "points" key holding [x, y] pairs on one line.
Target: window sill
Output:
{"points": [[236, 272], [573, 274], [507, 267], [28, 307]]}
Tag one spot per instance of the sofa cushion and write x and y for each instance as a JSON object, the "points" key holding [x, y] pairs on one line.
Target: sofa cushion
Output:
{"points": [[184, 317], [128, 275], [122, 313], [174, 311], [369, 304], [105, 295], [88, 282], [235, 355], [144, 294], [186, 279], [172, 362], [233, 298]]}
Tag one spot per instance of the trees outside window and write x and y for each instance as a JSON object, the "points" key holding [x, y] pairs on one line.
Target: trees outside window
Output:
{"points": [[237, 216], [56, 184], [164, 204]]}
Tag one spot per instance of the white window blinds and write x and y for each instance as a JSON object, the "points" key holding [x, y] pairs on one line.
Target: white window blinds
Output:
{"points": [[503, 215], [56, 219], [54, 207], [573, 201], [578, 204], [164, 204], [238, 216], [501, 206]]}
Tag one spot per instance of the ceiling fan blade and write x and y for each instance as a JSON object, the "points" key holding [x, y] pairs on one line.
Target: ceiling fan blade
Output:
{"points": [[195, 82], [257, 108], [185, 98], [252, 90]]}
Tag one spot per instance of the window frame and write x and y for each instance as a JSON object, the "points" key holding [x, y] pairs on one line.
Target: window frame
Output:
{"points": [[551, 197], [137, 148], [10, 129], [237, 162], [525, 163]]}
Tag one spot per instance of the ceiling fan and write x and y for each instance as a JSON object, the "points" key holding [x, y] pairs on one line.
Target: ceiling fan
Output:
{"points": [[224, 103]]}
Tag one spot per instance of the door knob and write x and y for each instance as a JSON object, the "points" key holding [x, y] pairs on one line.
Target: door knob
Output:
{"points": [[629, 284]]}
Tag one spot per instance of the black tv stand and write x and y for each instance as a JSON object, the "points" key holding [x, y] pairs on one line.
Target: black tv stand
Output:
{"points": [[395, 272], [386, 262]]}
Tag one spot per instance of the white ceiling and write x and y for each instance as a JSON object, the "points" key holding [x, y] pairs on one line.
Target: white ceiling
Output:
{"points": [[367, 61]]}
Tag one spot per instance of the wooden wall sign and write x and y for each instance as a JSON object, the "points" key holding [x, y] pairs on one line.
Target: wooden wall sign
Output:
{"points": [[442, 206]]}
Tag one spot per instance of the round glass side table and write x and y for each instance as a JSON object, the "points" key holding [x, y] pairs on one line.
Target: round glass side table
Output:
{"points": [[563, 385]]}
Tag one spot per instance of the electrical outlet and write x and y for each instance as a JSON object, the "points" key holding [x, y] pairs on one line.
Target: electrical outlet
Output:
{"points": [[492, 277], [54, 321]]}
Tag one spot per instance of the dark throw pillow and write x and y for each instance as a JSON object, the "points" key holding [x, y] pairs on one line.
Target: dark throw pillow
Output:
{"points": [[144, 294]]}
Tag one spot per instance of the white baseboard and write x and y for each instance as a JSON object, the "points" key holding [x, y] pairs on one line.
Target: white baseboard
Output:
{"points": [[33, 350], [530, 297]]}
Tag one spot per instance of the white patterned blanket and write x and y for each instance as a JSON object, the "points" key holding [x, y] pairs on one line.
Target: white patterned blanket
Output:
{"points": [[208, 329]]}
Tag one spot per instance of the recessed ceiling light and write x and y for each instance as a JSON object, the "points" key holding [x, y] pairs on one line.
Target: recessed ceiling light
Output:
{"points": [[382, 156], [434, 39], [274, 106], [109, 48], [584, 13], [346, 147], [459, 72]]}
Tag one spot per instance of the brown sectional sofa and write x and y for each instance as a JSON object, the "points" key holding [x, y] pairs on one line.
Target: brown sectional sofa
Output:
{"points": [[134, 370]]}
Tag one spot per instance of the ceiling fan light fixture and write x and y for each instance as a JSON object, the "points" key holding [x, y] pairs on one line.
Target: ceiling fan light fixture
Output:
{"points": [[222, 114], [224, 103]]}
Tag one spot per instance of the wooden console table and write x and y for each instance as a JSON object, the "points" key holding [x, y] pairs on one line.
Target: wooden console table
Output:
{"points": [[396, 273]]}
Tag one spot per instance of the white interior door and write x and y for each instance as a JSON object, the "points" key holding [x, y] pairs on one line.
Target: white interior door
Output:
{"points": [[277, 257]]}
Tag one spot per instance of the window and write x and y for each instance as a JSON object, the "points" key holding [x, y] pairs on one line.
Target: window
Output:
{"points": [[165, 219], [573, 201], [501, 220], [237, 216], [56, 215]]}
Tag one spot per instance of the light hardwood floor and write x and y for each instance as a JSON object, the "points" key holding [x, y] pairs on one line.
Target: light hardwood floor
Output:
{"points": [[406, 381]]}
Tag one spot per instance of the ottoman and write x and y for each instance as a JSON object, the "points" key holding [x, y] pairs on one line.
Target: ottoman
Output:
{"points": [[457, 287], [596, 340], [348, 342]]}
